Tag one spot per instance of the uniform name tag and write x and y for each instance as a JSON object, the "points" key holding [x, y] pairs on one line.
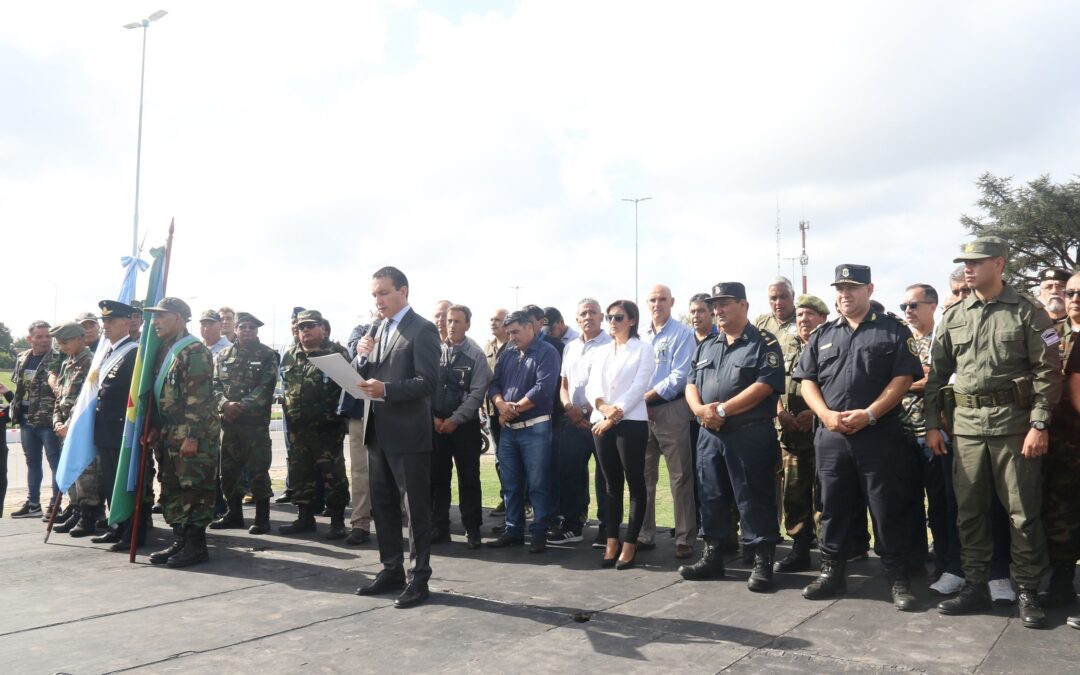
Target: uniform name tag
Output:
{"points": [[1051, 337], [256, 363], [826, 346]]}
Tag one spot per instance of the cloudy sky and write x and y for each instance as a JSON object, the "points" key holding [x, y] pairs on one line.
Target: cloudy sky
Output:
{"points": [[480, 146]]}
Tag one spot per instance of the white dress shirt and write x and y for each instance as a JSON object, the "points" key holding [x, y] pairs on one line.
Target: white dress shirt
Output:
{"points": [[620, 375]]}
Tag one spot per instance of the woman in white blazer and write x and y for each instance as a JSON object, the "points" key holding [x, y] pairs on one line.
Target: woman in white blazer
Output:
{"points": [[617, 383]]}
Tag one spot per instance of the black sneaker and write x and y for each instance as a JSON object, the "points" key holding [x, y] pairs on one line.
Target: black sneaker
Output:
{"points": [[566, 536], [27, 510]]}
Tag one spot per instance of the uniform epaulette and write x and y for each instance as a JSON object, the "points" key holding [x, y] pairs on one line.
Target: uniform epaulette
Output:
{"points": [[768, 337], [951, 307]]}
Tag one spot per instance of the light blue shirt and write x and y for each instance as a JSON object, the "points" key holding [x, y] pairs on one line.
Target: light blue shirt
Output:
{"points": [[395, 321], [673, 347]]}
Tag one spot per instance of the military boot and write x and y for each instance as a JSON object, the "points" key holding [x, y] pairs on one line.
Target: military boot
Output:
{"points": [[262, 517], [900, 587], [1031, 612], [194, 550], [64, 526], [830, 583], [972, 598], [710, 566], [798, 560], [305, 521], [87, 524], [761, 577], [161, 557], [337, 524], [233, 518], [1060, 591]]}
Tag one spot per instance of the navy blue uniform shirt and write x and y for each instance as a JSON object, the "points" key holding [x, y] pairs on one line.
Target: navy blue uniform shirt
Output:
{"points": [[853, 367], [720, 371], [533, 375]]}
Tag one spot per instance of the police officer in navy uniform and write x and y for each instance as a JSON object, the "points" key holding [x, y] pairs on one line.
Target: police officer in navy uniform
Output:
{"points": [[854, 373], [110, 413], [736, 379]]}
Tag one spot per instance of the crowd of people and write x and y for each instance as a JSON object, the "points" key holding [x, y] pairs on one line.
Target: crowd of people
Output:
{"points": [[800, 421]]}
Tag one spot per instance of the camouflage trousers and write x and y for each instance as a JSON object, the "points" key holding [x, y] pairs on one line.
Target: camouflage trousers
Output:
{"points": [[187, 483], [797, 473], [85, 491], [318, 450], [1061, 499], [245, 446]]}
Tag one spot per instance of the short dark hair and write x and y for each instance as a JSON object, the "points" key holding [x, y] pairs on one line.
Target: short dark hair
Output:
{"points": [[929, 291], [632, 313], [396, 276], [520, 317], [38, 324], [534, 311], [463, 309], [699, 297]]}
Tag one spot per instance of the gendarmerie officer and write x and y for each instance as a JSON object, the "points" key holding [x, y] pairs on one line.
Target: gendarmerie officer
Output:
{"points": [[1004, 352], [854, 372], [736, 378]]}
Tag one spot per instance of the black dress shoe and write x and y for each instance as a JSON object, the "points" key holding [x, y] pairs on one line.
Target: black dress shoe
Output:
{"points": [[285, 498], [507, 540], [414, 594], [472, 540], [110, 537], [440, 537], [972, 598], [1031, 612], [384, 582], [357, 537], [539, 544], [902, 597]]}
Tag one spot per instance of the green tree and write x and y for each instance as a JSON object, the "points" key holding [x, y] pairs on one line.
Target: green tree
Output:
{"points": [[7, 355], [1040, 220]]}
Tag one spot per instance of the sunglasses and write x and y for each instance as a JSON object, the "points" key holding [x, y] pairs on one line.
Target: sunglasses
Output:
{"points": [[913, 305], [307, 326], [1072, 293], [616, 318]]}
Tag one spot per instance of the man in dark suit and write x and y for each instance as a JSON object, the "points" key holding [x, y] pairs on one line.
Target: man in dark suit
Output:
{"points": [[401, 369], [112, 399]]}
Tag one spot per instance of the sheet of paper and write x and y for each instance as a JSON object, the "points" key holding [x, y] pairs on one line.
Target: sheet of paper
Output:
{"points": [[341, 371]]}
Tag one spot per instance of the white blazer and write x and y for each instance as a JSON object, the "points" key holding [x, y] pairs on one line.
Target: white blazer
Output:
{"points": [[621, 377]]}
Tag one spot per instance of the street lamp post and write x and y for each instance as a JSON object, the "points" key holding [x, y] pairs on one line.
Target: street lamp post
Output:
{"points": [[636, 201], [144, 24]]}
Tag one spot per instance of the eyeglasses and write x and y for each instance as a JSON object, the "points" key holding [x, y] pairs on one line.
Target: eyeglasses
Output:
{"points": [[1072, 293], [616, 318], [913, 305]]}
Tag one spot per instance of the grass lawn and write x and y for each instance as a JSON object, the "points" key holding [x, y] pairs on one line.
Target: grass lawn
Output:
{"points": [[5, 379]]}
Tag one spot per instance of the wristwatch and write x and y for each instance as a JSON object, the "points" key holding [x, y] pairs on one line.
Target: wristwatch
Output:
{"points": [[871, 419], [721, 412], [585, 410], [1038, 425]]}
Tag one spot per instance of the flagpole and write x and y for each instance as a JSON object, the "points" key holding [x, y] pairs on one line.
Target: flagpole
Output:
{"points": [[52, 514], [137, 516]]}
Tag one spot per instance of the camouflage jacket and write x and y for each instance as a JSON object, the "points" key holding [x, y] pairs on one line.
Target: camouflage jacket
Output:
{"points": [[72, 375], [792, 400], [34, 399], [311, 397], [246, 376], [913, 416], [185, 407], [786, 333]]}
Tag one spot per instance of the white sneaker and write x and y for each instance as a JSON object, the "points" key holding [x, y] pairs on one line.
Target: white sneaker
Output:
{"points": [[1002, 592], [947, 584]]}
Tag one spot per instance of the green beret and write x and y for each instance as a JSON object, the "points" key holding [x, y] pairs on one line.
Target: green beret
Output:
{"points": [[66, 331], [812, 302]]}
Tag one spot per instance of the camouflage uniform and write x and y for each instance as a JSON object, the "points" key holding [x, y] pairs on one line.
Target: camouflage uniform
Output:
{"points": [[1061, 476], [798, 455], [787, 334], [73, 371], [185, 409], [34, 399], [316, 432], [246, 375]]}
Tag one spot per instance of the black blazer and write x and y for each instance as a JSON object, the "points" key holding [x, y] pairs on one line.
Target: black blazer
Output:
{"points": [[409, 367], [112, 402]]}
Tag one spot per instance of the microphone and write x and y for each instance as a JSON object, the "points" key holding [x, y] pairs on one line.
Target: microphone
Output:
{"points": [[372, 329]]}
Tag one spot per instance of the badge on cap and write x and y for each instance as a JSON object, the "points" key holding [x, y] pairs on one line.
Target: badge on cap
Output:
{"points": [[845, 273], [969, 247]]}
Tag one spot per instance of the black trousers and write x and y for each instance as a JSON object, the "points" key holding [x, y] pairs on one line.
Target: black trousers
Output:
{"points": [[398, 478], [868, 468], [622, 459], [3, 466], [460, 448], [739, 464]]}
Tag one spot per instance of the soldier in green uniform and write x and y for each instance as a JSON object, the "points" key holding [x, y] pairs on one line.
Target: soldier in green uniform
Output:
{"points": [[1003, 352], [797, 442], [1061, 466], [1072, 373], [244, 377], [84, 493], [185, 433], [316, 432]]}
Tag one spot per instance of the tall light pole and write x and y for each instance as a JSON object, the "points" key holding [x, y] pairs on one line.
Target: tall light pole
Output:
{"points": [[144, 24], [636, 200]]}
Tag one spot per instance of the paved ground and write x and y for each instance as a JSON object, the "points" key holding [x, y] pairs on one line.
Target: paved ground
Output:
{"points": [[287, 604]]}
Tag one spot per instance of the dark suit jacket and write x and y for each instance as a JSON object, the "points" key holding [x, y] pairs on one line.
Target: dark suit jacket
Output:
{"points": [[409, 367], [112, 402]]}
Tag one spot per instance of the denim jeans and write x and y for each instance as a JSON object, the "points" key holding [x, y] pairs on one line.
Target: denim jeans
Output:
{"points": [[34, 439], [526, 466]]}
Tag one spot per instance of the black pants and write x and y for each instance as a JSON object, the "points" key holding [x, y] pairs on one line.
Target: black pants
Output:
{"points": [[739, 464], [398, 478], [461, 448], [622, 459], [577, 446], [3, 466], [857, 470], [108, 460]]}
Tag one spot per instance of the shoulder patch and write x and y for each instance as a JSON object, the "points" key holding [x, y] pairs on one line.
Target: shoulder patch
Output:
{"points": [[912, 347], [1051, 337], [772, 359]]}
